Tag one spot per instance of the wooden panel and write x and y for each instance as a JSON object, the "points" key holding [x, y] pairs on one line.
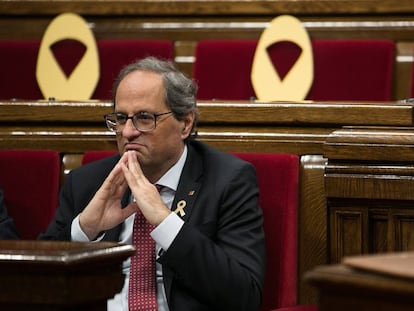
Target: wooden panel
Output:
{"points": [[191, 29], [300, 128], [370, 181], [342, 288], [370, 226], [344, 113], [403, 222], [205, 7], [403, 70], [347, 232], [378, 231], [29, 112], [371, 143], [312, 213], [47, 275], [300, 114], [366, 173]]}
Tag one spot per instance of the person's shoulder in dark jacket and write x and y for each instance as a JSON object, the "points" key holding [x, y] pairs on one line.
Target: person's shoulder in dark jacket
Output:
{"points": [[220, 159], [8, 229]]}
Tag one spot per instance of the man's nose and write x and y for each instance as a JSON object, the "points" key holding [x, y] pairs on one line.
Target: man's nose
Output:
{"points": [[130, 129]]}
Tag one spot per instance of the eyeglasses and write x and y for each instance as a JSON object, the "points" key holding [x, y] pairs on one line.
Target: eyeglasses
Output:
{"points": [[143, 121]]}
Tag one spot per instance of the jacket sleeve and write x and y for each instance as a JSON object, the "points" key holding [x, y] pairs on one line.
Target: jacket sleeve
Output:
{"points": [[221, 260], [8, 229]]}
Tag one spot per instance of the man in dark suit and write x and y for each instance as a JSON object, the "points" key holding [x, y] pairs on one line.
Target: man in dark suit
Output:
{"points": [[8, 230], [208, 224]]}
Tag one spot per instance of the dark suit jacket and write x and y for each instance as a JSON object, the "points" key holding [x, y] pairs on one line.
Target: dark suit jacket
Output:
{"points": [[216, 262], [8, 230]]}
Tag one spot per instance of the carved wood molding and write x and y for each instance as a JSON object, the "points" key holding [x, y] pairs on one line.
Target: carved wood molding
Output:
{"points": [[300, 128], [371, 143], [300, 114], [206, 7]]}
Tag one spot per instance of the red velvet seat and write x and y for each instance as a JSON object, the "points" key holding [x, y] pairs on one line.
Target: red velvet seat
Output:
{"points": [[353, 70], [115, 54], [278, 177], [343, 69], [222, 69], [94, 155], [18, 59], [30, 180]]}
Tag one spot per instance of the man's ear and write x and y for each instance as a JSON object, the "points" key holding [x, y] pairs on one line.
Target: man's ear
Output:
{"points": [[188, 122]]}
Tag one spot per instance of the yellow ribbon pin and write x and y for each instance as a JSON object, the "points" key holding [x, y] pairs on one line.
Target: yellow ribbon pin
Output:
{"points": [[180, 208]]}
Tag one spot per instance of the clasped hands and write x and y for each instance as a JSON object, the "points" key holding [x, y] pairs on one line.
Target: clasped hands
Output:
{"points": [[105, 210]]}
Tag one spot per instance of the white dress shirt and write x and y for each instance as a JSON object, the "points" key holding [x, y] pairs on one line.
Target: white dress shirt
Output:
{"points": [[163, 235]]}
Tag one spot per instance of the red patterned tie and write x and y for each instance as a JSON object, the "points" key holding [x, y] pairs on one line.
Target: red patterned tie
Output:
{"points": [[142, 293]]}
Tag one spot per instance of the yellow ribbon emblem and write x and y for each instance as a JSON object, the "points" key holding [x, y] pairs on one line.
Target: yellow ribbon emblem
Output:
{"points": [[180, 208]]}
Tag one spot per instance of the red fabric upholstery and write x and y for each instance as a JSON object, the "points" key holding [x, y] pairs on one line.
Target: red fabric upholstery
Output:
{"points": [[278, 177], [222, 69], [115, 54], [18, 59], [30, 180], [343, 69], [93, 155], [352, 70]]}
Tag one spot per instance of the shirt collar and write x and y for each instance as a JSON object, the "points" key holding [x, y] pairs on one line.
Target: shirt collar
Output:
{"points": [[171, 178]]}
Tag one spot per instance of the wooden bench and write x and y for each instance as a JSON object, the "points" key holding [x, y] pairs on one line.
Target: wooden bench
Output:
{"points": [[356, 173]]}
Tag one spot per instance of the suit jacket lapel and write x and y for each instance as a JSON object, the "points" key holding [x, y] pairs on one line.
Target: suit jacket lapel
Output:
{"points": [[186, 194], [184, 199], [188, 186]]}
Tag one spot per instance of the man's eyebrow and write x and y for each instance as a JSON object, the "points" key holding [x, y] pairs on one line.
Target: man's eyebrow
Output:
{"points": [[139, 111]]}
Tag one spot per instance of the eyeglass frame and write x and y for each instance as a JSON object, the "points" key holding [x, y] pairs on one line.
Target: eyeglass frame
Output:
{"points": [[155, 115]]}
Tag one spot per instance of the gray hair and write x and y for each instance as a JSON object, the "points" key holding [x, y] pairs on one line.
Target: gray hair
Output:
{"points": [[180, 91]]}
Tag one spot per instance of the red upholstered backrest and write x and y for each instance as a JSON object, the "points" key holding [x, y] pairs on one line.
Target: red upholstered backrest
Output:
{"points": [[278, 177], [352, 70], [222, 69], [93, 155], [18, 59], [115, 54], [343, 69], [30, 180]]}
